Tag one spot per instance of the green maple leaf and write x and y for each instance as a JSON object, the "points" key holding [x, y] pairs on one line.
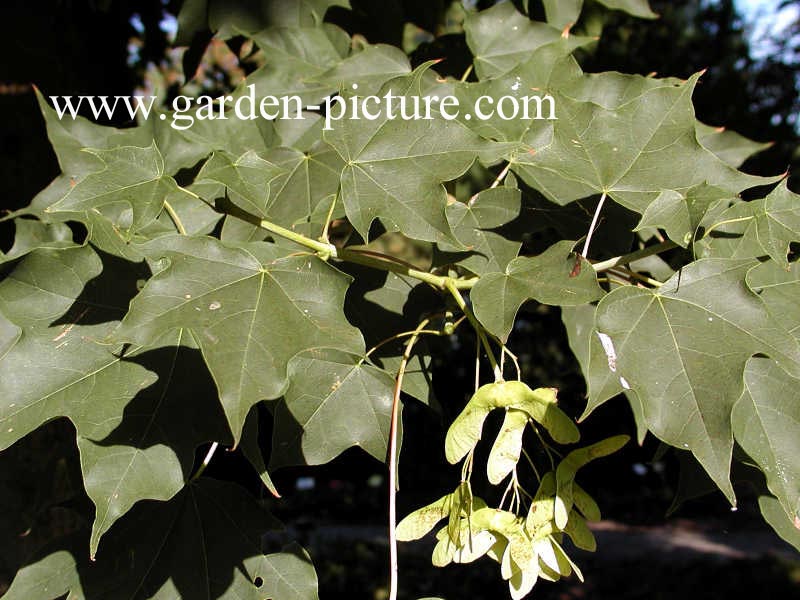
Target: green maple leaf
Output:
{"points": [[251, 449], [563, 13], [286, 186], [296, 57], [764, 227], [133, 185], [69, 137], [57, 364], [773, 513], [778, 223], [638, 8], [473, 223], [314, 422], [680, 215], [766, 423], [394, 169], [729, 146], [308, 186], [779, 289], [33, 234], [543, 71], [730, 233], [501, 37], [557, 277], [184, 142], [682, 350], [60, 367], [9, 335], [247, 178], [367, 70], [601, 380], [629, 137], [228, 19], [250, 310]]}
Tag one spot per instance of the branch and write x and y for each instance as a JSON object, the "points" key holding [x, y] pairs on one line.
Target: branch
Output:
{"points": [[327, 250]]}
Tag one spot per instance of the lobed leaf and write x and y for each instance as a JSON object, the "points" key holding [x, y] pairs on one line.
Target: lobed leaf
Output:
{"points": [[766, 424], [474, 225], [557, 277], [314, 421], [394, 168], [683, 348], [250, 311]]}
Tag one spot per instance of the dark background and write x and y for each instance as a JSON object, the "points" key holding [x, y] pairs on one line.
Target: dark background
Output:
{"points": [[751, 86]]}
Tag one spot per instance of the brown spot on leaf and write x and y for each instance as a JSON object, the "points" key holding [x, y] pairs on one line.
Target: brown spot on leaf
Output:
{"points": [[576, 269]]}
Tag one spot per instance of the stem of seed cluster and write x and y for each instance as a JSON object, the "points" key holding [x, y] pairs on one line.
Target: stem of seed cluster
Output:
{"points": [[392, 458], [416, 332], [462, 304]]}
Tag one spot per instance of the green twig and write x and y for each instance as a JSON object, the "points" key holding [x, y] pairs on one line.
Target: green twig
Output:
{"points": [[634, 275], [625, 259], [327, 250], [437, 281]]}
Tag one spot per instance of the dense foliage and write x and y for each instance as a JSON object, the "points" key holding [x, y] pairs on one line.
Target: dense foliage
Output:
{"points": [[172, 281]]}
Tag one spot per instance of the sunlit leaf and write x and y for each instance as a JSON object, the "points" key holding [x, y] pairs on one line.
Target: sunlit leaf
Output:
{"points": [[706, 324], [232, 300], [766, 424]]}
